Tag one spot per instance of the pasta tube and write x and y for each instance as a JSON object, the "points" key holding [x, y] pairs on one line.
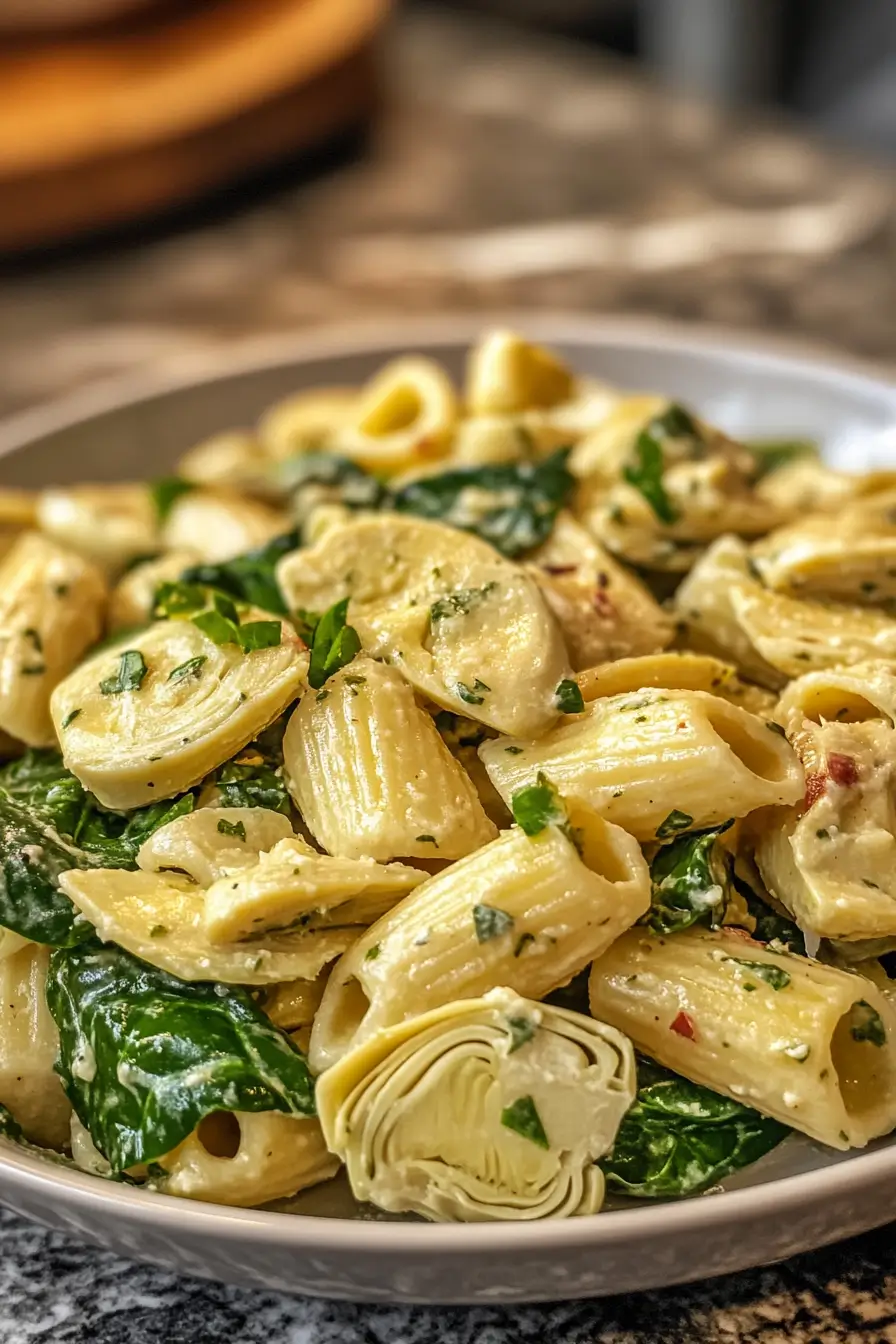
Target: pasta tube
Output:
{"points": [[808, 1044], [306, 421], [159, 918], [674, 671], [29, 1087], [507, 374], [528, 911], [485, 1109], [719, 761], [841, 694], [371, 775], [154, 714], [404, 415], [246, 1159], [465, 627], [51, 609], [851, 558]]}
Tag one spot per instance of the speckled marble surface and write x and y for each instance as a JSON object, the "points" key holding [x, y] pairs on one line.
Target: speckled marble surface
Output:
{"points": [[505, 172]]}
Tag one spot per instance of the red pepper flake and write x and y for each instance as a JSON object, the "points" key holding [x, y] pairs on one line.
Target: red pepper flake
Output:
{"points": [[683, 1025], [603, 580], [815, 787], [603, 604], [560, 569], [733, 931], [842, 769]]}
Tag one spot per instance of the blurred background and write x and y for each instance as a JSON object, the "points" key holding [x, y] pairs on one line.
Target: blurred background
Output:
{"points": [[180, 175]]}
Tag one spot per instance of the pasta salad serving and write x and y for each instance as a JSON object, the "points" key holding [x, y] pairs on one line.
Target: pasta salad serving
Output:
{"points": [[488, 790]]}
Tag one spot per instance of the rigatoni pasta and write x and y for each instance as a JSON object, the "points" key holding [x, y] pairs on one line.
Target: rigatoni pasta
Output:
{"points": [[412, 709]]}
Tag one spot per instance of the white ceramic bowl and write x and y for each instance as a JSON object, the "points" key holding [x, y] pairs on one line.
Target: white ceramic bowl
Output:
{"points": [[798, 1197]]}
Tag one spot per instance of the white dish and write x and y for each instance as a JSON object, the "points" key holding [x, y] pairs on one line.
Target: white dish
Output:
{"points": [[798, 1197]]}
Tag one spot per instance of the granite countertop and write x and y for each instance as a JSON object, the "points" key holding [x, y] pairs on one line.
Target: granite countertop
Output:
{"points": [[504, 172]]}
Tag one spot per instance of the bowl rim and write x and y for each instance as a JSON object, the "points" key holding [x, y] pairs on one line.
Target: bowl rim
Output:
{"points": [[38, 1176]]}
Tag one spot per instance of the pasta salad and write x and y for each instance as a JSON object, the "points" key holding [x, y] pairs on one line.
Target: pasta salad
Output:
{"points": [[487, 790]]}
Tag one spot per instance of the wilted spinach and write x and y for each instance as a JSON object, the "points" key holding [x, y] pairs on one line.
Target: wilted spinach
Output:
{"points": [[254, 778], [691, 882], [32, 856], [144, 1056], [250, 577], [512, 505], [337, 479], [770, 926], [772, 454], [680, 1138]]}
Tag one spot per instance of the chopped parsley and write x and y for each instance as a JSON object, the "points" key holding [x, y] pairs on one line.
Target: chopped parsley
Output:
{"points": [[191, 668], [522, 1029], [372, 952], [333, 643], [165, 493], [427, 840], [537, 806], [178, 599], [514, 751], [158, 931], [522, 943], [35, 670], [675, 822], [775, 976], [568, 697], [460, 603], [472, 695], [490, 922], [870, 1026], [131, 671], [237, 828], [70, 717], [522, 1117]]}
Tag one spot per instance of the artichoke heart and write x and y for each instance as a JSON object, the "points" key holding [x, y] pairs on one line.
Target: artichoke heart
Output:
{"points": [[486, 1109], [212, 841], [294, 887], [154, 714], [466, 627]]}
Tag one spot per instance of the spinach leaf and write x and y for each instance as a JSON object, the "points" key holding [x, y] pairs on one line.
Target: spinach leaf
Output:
{"points": [[115, 837], [345, 482], [166, 492], [648, 461], [40, 783], [333, 643], [691, 882], [680, 1138], [254, 778], [163, 1053], [513, 505], [772, 454], [32, 856], [771, 927], [251, 577]]}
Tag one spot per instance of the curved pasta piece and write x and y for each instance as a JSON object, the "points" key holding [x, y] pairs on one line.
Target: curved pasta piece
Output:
{"points": [[159, 918], [506, 373], [795, 636], [842, 694], [306, 422], [185, 705], [808, 1044], [212, 841], [247, 1158], [220, 524], [110, 524], [849, 558], [403, 416], [703, 603], [674, 671], [603, 610], [51, 609], [30, 1088], [486, 440], [371, 776], [132, 601], [526, 911], [234, 460], [718, 762], [466, 628], [832, 862], [294, 888], [486, 1109]]}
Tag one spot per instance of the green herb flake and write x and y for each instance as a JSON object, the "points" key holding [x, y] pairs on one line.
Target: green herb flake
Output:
{"points": [[522, 1117], [166, 492], [131, 672], [217, 627], [645, 473], [568, 697], [178, 599], [514, 751], [472, 695], [191, 668], [675, 822], [870, 1025], [372, 952], [35, 670], [522, 1029], [490, 922], [775, 976], [255, 635], [775, 728], [70, 717], [537, 806], [522, 943], [249, 578], [333, 644], [460, 603], [427, 840], [158, 931], [236, 828]]}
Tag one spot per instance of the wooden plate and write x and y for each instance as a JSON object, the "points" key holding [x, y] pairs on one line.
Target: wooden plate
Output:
{"points": [[106, 126]]}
